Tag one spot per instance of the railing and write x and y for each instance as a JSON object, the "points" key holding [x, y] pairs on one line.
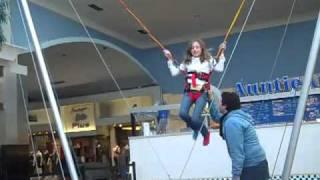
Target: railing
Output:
{"points": [[133, 165]]}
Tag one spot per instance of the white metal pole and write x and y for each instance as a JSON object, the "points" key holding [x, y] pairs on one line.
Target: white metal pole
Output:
{"points": [[302, 102], [49, 91]]}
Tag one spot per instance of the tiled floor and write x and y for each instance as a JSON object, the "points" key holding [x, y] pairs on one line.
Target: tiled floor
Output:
{"points": [[46, 178], [294, 177]]}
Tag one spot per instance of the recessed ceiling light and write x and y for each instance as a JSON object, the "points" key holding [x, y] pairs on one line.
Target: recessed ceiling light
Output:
{"points": [[142, 31], [58, 82], [95, 7]]}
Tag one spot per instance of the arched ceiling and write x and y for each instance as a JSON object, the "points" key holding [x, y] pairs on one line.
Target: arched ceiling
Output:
{"points": [[179, 20], [76, 70]]}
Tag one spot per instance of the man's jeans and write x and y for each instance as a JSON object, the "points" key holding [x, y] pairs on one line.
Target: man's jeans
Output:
{"points": [[258, 172]]}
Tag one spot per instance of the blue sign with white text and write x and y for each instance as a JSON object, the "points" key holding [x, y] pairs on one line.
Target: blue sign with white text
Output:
{"points": [[282, 110], [284, 84]]}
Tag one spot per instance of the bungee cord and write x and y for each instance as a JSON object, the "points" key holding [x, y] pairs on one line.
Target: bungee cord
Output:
{"points": [[237, 41], [28, 126], [102, 59], [271, 75], [124, 5], [140, 22], [235, 18], [41, 92], [234, 48]]}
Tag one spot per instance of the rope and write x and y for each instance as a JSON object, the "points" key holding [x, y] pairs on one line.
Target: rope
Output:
{"points": [[41, 91], [157, 155], [106, 66], [236, 44], [190, 153], [162, 47], [29, 126], [282, 40], [235, 18], [125, 6], [159, 159], [99, 53], [280, 147], [234, 48], [270, 77], [271, 74]]}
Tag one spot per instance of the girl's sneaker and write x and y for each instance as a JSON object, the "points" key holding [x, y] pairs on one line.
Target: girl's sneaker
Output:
{"points": [[206, 139]]}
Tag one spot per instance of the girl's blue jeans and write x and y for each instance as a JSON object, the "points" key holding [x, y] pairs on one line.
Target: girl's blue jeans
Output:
{"points": [[196, 120]]}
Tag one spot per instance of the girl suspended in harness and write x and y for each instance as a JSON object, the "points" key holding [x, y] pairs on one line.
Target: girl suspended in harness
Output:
{"points": [[197, 68]]}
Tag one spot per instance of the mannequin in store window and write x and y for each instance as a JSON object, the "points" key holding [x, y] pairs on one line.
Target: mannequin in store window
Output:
{"points": [[39, 162]]}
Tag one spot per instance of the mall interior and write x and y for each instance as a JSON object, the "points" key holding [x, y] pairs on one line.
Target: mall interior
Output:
{"points": [[111, 85]]}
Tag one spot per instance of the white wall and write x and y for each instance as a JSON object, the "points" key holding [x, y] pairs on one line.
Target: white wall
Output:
{"points": [[153, 92], [6, 27], [158, 155], [13, 118]]}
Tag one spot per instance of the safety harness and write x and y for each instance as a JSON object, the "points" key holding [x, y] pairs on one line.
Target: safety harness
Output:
{"points": [[196, 83]]}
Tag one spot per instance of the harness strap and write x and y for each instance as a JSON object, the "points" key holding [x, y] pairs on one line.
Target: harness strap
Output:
{"points": [[194, 76]]}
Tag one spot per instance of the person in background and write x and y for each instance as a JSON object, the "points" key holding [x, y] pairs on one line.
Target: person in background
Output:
{"points": [[124, 162], [162, 121], [45, 161], [115, 157]]}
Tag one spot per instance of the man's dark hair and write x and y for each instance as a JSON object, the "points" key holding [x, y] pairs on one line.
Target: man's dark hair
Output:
{"points": [[231, 100]]}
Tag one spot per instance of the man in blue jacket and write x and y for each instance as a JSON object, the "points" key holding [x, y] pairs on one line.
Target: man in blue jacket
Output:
{"points": [[236, 128]]}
